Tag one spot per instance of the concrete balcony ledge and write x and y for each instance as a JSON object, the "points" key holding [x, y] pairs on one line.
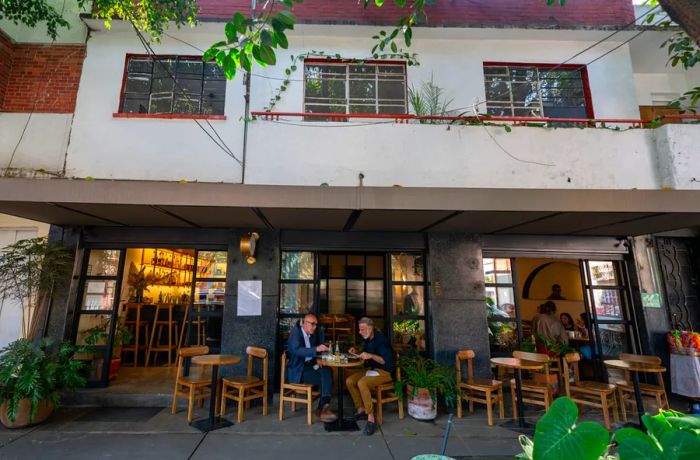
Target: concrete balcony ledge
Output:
{"points": [[34, 143], [518, 157]]}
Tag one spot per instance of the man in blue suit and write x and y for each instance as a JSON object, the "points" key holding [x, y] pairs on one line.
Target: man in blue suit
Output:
{"points": [[305, 341]]}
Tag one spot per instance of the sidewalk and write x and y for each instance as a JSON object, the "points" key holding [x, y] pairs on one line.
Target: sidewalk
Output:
{"points": [[150, 433]]}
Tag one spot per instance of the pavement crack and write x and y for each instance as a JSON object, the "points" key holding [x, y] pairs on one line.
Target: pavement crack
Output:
{"points": [[197, 446]]}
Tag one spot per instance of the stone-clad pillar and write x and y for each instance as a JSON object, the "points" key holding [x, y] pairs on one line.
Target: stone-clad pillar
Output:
{"points": [[457, 306]]}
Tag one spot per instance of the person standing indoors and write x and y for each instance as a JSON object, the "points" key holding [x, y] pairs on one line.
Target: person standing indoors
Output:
{"points": [[378, 357], [547, 326], [305, 341]]}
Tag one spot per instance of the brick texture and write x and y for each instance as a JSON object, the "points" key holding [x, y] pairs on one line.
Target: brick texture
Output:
{"points": [[39, 78], [449, 13]]}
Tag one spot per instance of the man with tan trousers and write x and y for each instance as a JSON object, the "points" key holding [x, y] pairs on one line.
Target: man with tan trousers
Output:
{"points": [[379, 362]]}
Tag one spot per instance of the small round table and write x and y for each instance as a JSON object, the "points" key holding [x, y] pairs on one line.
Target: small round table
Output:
{"points": [[634, 368], [341, 424], [518, 364], [213, 422]]}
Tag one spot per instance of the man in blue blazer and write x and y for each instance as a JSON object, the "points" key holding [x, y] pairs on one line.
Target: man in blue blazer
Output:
{"points": [[305, 341]]}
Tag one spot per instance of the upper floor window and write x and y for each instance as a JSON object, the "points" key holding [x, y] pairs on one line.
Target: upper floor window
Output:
{"points": [[519, 90], [172, 84], [354, 88]]}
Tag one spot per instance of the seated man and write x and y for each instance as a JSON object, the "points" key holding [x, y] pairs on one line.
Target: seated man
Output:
{"points": [[378, 356], [304, 342]]}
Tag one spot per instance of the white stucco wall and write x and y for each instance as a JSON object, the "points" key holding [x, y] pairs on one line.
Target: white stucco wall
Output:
{"points": [[43, 144]]}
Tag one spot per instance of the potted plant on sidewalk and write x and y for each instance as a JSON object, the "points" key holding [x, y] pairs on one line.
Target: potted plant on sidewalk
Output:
{"points": [[31, 376], [98, 335], [422, 380]]}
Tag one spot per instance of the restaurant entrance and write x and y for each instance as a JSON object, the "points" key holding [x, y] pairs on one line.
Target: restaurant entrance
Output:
{"points": [[138, 306], [591, 297]]}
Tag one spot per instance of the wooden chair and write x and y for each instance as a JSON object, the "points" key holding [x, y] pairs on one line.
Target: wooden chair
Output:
{"points": [[482, 391], [192, 387], [534, 392], [385, 394], [245, 388], [589, 393], [291, 392], [626, 388]]}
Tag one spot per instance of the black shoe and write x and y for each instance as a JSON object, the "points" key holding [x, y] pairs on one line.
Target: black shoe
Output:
{"points": [[362, 416], [369, 428]]}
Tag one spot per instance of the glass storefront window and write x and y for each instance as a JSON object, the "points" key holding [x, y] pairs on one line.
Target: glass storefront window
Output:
{"points": [[613, 340], [497, 271], [375, 267], [409, 334], [103, 262], [603, 273], [375, 298], [296, 298], [211, 264], [209, 292], [297, 265], [607, 304], [406, 267], [98, 295], [408, 300]]}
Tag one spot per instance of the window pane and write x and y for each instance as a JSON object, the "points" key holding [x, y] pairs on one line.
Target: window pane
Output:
{"points": [[336, 266], [212, 107], [392, 90], [497, 271], [336, 297], [296, 298], [603, 273], [285, 327], [356, 298], [209, 293], [503, 336], [607, 304], [297, 265], [613, 339], [375, 298], [211, 264], [500, 302], [363, 89], [138, 84], [363, 109], [409, 335], [103, 262], [164, 68], [140, 65], [189, 85], [162, 85], [375, 267], [93, 330], [98, 295], [161, 103], [135, 104], [355, 267], [191, 67], [186, 105], [406, 267], [408, 300], [213, 71], [214, 88]]}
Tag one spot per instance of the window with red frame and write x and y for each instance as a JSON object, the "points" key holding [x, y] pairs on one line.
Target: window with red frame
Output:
{"points": [[537, 91], [173, 84], [354, 88]]}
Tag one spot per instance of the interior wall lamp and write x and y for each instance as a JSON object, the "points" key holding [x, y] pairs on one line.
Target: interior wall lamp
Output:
{"points": [[248, 244]]}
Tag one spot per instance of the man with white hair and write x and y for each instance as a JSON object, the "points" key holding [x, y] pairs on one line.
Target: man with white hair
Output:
{"points": [[378, 357]]}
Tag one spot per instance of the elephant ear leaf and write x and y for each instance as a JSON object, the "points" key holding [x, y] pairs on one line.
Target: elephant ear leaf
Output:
{"points": [[681, 445], [633, 444], [557, 435]]}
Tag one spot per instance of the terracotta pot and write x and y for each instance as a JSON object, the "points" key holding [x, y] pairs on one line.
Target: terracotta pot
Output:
{"points": [[422, 407], [114, 366], [43, 411]]}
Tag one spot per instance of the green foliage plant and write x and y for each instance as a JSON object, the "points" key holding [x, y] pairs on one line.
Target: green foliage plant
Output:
{"points": [[99, 335], [420, 372], [429, 100], [37, 370]]}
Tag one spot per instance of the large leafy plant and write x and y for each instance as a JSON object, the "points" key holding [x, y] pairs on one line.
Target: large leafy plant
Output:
{"points": [[420, 372], [37, 371], [670, 436]]}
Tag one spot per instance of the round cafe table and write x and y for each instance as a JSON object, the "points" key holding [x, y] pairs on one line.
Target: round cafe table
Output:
{"points": [[342, 424], [634, 368], [213, 422], [518, 364]]}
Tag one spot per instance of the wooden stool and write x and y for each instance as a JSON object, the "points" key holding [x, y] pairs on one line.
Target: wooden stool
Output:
{"points": [[290, 391], [492, 390], [192, 387], [245, 388], [139, 329]]}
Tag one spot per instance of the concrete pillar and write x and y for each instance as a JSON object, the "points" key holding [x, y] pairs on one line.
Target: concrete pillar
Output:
{"points": [[457, 305]]}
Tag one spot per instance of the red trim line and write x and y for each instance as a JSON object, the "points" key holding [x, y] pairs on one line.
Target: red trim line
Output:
{"points": [[351, 61], [170, 116]]}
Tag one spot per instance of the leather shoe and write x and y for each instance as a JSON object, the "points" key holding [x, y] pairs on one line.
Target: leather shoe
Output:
{"points": [[326, 415], [369, 428]]}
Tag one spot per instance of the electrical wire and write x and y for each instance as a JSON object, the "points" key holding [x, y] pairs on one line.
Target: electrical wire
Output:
{"points": [[220, 143]]}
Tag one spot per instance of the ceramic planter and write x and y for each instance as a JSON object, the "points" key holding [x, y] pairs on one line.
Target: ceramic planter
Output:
{"points": [[43, 411], [422, 406]]}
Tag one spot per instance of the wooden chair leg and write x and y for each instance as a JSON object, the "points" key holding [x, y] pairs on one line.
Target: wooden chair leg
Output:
{"points": [[501, 404], [616, 417], [459, 406], [173, 408], [241, 393], [223, 400], [489, 408], [264, 398], [622, 407], [471, 402], [309, 403], [400, 403], [515, 405], [281, 415], [379, 407], [190, 405], [294, 406], [606, 413]]}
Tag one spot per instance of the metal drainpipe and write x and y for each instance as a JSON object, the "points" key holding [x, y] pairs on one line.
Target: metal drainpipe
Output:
{"points": [[246, 119]]}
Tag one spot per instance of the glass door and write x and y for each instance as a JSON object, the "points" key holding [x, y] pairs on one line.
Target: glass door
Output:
{"points": [[408, 312], [607, 309], [96, 318]]}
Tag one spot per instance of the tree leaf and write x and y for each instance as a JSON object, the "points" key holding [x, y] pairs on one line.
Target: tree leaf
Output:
{"points": [[287, 18]]}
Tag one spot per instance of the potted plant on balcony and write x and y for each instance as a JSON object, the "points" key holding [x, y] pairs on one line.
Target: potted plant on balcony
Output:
{"points": [[422, 380], [98, 335], [31, 376]]}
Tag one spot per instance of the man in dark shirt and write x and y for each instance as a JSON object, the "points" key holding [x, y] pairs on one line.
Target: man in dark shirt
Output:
{"points": [[378, 357]]}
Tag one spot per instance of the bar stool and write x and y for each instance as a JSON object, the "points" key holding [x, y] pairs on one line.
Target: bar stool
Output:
{"points": [[163, 319], [138, 327]]}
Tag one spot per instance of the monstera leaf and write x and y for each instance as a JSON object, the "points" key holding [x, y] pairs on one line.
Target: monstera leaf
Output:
{"points": [[557, 435]]}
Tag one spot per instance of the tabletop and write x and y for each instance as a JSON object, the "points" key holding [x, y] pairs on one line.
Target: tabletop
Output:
{"points": [[350, 363], [216, 360], [516, 363], [633, 366]]}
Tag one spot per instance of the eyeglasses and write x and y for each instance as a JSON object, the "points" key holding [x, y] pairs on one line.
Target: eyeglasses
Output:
{"points": [[311, 323]]}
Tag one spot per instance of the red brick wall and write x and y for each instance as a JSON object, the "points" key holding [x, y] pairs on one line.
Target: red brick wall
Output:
{"points": [[39, 78], [449, 12]]}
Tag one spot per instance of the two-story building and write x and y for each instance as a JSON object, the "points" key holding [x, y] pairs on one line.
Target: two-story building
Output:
{"points": [[448, 232]]}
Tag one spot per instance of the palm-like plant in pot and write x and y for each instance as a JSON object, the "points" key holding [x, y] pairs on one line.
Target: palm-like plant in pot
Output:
{"points": [[31, 376], [422, 381]]}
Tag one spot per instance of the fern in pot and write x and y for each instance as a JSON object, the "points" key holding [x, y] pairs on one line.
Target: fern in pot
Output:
{"points": [[422, 381], [31, 376]]}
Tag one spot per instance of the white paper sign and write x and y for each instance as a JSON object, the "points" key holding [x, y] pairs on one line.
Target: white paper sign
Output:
{"points": [[250, 298]]}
